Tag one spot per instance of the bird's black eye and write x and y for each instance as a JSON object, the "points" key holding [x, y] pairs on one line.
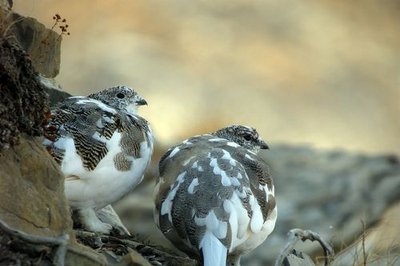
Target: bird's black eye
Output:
{"points": [[247, 137], [121, 95]]}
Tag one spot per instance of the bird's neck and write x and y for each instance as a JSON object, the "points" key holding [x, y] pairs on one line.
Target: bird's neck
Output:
{"points": [[132, 109]]}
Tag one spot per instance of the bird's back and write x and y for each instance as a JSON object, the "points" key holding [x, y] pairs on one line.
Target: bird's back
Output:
{"points": [[210, 186], [99, 149]]}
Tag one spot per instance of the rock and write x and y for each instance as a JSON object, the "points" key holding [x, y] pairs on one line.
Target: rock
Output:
{"points": [[80, 255], [133, 258], [22, 98], [35, 222], [32, 201], [42, 44], [32, 190], [32, 185], [7, 4], [53, 90]]}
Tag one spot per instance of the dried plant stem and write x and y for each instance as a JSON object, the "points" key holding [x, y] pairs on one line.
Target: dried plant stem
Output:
{"points": [[298, 234], [363, 244]]}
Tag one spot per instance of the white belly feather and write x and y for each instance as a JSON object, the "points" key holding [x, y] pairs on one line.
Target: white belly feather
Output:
{"points": [[104, 184]]}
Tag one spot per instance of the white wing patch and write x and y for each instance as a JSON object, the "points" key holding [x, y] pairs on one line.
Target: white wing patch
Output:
{"points": [[227, 156], [99, 137], [249, 157], [193, 184], [238, 219], [102, 106], [99, 123], [173, 152], [232, 144], [235, 182], [225, 180], [166, 206], [257, 217], [188, 160], [214, 252], [72, 163], [211, 222], [239, 176], [187, 142], [216, 140]]}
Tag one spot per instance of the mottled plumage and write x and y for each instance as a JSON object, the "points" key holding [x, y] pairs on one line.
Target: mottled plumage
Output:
{"points": [[214, 198], [102, 146]]}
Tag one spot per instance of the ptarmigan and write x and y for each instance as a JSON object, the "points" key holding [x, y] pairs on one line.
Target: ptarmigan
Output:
{"points": [[214, 198], [103, 148]]}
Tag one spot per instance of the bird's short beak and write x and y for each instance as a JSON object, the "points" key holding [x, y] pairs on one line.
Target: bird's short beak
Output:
{"points": [[263, 145], [141, 102]]}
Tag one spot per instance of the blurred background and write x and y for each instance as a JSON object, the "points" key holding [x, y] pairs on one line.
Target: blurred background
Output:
{"points": [[323, 73]]}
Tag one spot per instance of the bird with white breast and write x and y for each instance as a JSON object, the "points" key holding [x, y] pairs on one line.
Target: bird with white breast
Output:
{"points": [[103, 148], [214, 198]]}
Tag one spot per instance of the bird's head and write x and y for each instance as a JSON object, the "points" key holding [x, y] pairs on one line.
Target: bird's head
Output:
{"points": [[121, 98], [246, 137]]}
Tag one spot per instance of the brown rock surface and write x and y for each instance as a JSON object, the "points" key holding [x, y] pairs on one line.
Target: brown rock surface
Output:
{"points": [[22, 98], [32, 201], [42, 44], [35, 222], [31, 197], [6, 4], [32, 190]]}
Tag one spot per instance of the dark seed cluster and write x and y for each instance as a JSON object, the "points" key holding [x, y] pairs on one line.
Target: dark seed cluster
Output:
{"points": [[61, 23]]}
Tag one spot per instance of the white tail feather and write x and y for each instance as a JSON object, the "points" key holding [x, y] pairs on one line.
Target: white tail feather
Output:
{"points": [[214, 252]]}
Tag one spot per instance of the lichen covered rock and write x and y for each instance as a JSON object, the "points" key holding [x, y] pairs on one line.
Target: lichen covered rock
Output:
{"points": [[22, 98]]}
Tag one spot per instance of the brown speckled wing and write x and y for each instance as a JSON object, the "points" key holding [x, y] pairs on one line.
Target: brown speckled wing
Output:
{"points": [[84, 123], [259, 174], [134, 131]]}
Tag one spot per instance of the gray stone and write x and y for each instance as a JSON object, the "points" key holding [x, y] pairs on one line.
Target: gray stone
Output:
{"points": [[42, 44], [54, 91]]}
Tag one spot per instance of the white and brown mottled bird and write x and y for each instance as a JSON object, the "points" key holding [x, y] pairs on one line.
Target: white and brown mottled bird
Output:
{"points": [[103, 148], [214, 198]]}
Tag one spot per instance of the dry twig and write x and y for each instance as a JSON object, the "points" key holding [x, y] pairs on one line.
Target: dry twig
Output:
{"points": [[298, 234]]}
